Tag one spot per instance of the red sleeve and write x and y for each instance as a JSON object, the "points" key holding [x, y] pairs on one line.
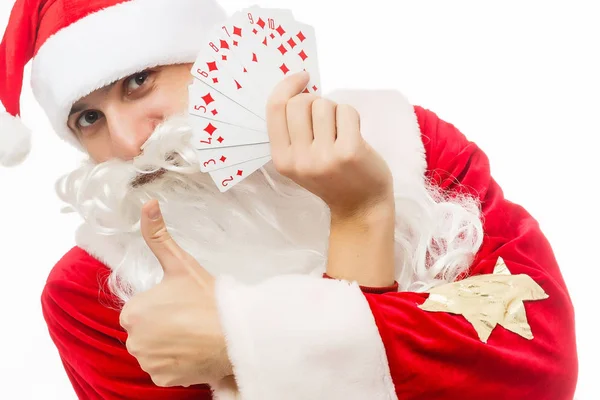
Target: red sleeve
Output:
{"points": [[83, 323], [437, 355]]}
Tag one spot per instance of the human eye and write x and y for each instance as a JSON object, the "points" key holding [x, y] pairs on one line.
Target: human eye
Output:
{"points": [[135, 81], [88, 118]]}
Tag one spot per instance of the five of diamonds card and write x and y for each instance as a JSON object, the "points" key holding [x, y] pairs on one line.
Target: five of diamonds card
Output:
{"points": [[235, 72]]}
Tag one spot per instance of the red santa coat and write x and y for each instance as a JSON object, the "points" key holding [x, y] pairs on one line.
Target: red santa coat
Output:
{"points": [[325, 339]]}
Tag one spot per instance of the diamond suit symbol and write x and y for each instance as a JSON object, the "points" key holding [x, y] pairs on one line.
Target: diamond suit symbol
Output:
{"points": [[212, 66], [210, 129], [207, 98]]}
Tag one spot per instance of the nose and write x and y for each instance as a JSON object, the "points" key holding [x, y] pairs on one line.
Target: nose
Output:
{"points": [[129, 130]]}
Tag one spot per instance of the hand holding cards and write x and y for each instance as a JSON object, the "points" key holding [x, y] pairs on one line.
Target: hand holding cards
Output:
{"points": [[318, 144], [236, 71]]}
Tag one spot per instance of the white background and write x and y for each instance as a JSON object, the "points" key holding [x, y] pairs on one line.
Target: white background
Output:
{"points": [[519, 78]]}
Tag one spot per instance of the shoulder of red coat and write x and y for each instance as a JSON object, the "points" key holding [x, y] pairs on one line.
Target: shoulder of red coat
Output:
{"points": [[79, 267]]}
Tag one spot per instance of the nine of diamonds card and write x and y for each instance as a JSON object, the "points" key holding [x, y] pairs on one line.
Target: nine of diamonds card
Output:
{"points": [[236, 70]]}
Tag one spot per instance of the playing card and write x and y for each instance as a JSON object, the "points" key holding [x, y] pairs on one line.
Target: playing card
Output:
{"points": [[267, 19], [214, 159], [239, 65], [229, 35], [210, 70], [227, 178], [208, 134], [295, 41], [209, 103], [233, 31], [264, 63], [221, 41]]}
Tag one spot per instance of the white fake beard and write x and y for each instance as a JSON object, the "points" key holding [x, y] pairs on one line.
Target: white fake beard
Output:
{"points": [[264, 226]]}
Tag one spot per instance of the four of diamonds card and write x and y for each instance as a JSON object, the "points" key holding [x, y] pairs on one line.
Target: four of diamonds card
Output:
{"points": [[235, 72]]}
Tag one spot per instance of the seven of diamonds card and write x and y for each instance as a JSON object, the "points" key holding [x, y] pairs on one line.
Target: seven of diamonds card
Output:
{"points": [[237, 68]]}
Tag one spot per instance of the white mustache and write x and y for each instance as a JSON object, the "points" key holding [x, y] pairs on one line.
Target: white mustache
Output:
{"points": [[96, 190]]}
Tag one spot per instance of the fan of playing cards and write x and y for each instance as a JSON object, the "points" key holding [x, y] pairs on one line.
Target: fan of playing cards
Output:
{"points": [[235, 73]]}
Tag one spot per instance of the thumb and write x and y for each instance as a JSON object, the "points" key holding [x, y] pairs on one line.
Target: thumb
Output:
{"points": [[171, 257], [289, 87], [158, 239]]}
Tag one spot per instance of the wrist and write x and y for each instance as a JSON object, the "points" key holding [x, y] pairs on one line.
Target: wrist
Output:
{"points": [[372, 215], [361, 247]]}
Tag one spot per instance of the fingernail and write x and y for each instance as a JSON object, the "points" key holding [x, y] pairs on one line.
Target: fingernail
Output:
{"points": [[154, 213]]}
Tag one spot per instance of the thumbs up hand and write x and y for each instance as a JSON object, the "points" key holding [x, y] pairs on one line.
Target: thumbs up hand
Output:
{"points": [[173, 329]]}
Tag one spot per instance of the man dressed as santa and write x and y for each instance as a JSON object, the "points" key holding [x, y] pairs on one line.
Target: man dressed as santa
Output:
{"points": [[374, 258]]}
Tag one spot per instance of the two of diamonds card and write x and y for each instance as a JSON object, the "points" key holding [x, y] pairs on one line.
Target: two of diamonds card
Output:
{"points": [[236, 70]]}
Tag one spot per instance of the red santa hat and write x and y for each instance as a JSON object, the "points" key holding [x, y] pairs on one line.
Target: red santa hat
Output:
{"points": [[78, 46]]}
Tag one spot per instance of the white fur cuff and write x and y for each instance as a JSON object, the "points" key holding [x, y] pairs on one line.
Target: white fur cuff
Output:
{"points": [[300, 337]]}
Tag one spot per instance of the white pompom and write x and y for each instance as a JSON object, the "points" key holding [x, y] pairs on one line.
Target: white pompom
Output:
{"points": [[15, 140]]}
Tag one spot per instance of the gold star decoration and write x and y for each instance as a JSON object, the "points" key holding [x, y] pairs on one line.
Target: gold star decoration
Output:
{"points": [[489, 300]]}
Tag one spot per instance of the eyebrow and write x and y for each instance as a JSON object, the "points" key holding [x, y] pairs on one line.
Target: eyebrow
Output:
{"points": [[82, 106], [77, 107]]}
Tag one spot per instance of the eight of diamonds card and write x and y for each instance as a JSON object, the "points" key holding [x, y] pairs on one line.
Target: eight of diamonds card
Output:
{"points": [[237, 68]]}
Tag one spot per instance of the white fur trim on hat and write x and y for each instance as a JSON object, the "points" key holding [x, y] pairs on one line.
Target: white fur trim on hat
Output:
{"points": [[15, 139], [114, 43]]}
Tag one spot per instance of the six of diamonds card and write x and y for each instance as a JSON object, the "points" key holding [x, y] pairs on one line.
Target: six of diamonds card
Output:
{"points": [[236, 70]]}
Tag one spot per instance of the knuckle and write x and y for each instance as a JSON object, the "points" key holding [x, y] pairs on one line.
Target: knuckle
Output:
{"points": [[276, 106], [305, 167], [327, 165], [321, 171], [160, 235], [300, 101], [159, 380], [165, 378], [282, 164], [346, 110], [132, 347], [322, 106], [348, 156], [125, 317], [124, 321], [316, 167], [130, 315], [348, 113]]}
